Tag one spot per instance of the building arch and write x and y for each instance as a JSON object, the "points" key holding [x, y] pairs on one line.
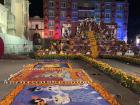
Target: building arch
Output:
{"points": [[36, 39]]}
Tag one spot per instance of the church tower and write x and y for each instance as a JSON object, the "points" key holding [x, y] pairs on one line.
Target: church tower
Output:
{"points": [[10, 18], [18, 16]]}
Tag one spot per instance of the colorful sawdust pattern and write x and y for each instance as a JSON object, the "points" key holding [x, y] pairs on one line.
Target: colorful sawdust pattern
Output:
{"points": [[51, 65], [59, 95], [47, 83], [51, 75]]}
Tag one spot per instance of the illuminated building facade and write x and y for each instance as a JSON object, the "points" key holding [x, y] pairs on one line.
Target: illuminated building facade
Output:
{"points": [[3, 19], [59, 16], [113, 12], [14, 16], [36, 26], [85, 9], [18, 16]]}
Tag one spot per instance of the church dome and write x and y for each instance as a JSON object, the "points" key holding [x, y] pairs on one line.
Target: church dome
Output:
{"points": [[36, 17]]}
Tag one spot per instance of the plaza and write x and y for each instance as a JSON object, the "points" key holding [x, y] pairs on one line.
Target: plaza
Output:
{"points": [[68, 52]]}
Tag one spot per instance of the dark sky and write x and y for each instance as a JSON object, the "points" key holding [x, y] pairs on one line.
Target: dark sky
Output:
{"points": [[134, 18], [2, 1], [134, 7], [36, 8]]}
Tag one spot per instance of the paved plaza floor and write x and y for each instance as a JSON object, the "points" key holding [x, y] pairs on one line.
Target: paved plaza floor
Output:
{"points": [[123, 95], [127, 67]]}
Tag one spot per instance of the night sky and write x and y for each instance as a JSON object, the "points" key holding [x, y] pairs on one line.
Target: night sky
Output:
{"points": [[134, 19], [36, 8], [2, 1]]}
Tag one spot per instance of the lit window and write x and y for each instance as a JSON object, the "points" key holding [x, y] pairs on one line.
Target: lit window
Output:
{"points": [[74, 5], [107, 7], [119, 7], [97, 6], [51, 13], [51, 23], [107, 15], [63, 4], [97, 15], [119, 16], [74, 14], [63, 14], [51, 4], [51, 33]]}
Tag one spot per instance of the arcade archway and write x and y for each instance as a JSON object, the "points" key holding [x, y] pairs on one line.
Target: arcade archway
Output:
{"points": [[1, 47], [36, 39]]}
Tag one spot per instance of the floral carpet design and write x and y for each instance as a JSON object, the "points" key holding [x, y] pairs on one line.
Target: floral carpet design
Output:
{"points": [[51, 65], [51, 75], [59, 95], [47, 83]]}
